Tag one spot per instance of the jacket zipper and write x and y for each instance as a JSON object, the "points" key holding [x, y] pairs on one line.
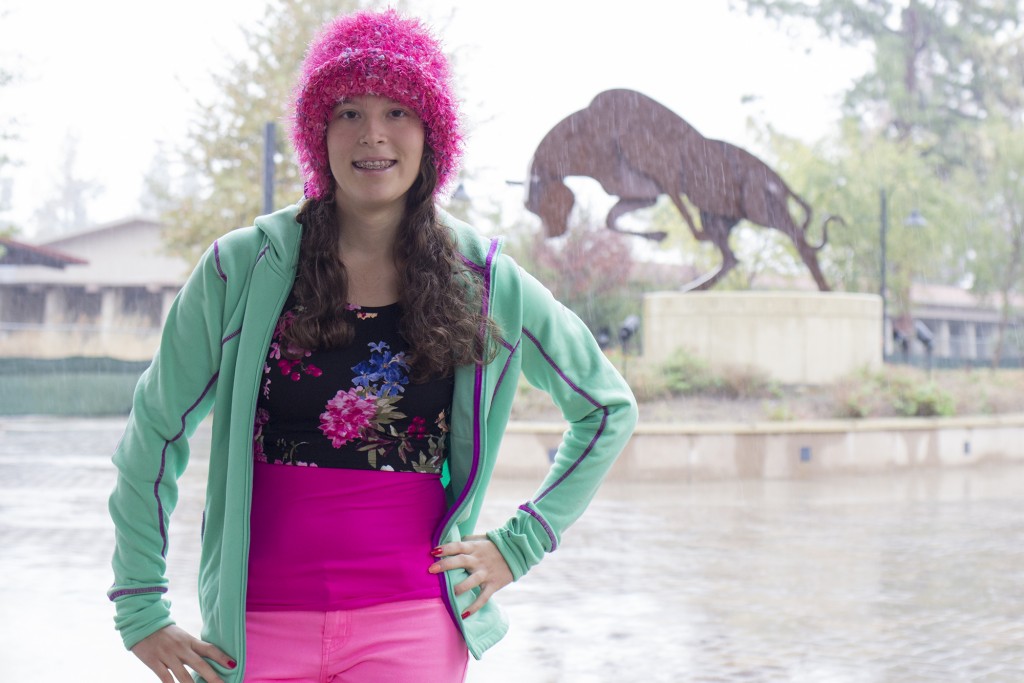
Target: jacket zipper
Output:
{"points": [[246, 531], [464, 495]]}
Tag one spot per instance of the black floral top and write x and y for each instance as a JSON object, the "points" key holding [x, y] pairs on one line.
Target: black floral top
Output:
{"points": [[351, 407]]}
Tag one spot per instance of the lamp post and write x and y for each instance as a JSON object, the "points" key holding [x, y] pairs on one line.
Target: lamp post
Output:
{"points": [[916, 220], [884, 219]]}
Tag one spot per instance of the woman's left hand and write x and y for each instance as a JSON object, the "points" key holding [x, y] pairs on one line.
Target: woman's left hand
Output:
{"points": [[484, 562]]}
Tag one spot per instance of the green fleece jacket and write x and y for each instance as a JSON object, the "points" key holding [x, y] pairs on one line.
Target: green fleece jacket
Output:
{"points": [[212, 353]]}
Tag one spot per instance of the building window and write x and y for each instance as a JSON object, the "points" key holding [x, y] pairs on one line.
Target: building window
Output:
{"points": [[986, 340], [82, 307], [142, 306], [958, 347], [23, 305]]}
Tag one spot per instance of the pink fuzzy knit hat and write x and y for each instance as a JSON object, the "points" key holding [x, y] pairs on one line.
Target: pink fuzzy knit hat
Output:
{"points": [[374, 53]]}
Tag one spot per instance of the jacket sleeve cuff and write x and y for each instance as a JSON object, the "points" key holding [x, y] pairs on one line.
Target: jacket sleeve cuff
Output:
{"points": [[141, 615], [524, 540]]}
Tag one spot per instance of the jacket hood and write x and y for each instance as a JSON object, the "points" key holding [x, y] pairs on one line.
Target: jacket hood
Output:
{"points": [[472, 245], [282, 233]]}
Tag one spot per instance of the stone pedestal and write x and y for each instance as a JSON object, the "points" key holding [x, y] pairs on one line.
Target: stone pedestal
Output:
{"points": [[794, 337]]}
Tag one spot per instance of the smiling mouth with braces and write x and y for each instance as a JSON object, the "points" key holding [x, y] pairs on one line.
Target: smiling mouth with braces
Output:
{"points": [[374, 165]]}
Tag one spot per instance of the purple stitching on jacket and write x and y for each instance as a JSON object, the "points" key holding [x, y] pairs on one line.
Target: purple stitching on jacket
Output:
{"points": [[136, 591], [163, 463], [231, 336], [501, 377], [536, 515], [478, 383], [600, 429], [216, 258], [561, 374], [473, 266], [262, 253]]}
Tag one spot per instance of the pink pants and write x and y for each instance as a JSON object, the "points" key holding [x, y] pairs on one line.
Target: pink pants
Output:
{"points": [[399, 642]]}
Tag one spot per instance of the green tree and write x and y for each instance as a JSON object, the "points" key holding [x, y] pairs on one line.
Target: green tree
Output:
{"points": [[220, 184], [847, 174], [997, 247], [947, 84], [940, 66]]}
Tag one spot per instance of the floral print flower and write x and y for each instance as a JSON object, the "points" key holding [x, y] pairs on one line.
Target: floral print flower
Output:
{"points": [[384, 374], [417, 428], [291, 358], [262, 418], [283, 323], [346, 416]]}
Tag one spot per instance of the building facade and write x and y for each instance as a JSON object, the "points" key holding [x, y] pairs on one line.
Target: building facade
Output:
{"points": [[110, 300]]}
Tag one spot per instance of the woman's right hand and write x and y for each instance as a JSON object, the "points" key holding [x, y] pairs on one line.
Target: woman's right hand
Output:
{"points": [[171, 649]]}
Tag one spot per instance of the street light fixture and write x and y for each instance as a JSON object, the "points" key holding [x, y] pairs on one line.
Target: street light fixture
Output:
{"points": [[914, 220]]}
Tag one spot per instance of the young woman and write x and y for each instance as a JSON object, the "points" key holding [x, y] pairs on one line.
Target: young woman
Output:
{"points": [[362, 350]]}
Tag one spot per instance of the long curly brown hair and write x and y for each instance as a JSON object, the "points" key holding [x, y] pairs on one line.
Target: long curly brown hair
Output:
{"points": [[440, 297]]}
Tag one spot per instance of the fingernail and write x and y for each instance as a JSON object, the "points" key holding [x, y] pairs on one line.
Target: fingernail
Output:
{"points": [[465, 614], [232, 664], [437, 552]]}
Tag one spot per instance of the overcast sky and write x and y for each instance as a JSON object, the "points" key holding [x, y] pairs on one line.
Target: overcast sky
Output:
{"points": [[124, 76]]}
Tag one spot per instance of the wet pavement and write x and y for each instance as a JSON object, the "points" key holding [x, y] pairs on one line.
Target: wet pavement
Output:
{"points": [[908, 577]]}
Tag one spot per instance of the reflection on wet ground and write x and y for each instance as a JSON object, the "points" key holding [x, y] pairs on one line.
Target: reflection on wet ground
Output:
{"points": [[909, 577]]}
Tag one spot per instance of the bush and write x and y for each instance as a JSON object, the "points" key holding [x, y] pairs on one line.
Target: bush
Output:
{"points": [[896, 392], [685, 375], [927, 400]]}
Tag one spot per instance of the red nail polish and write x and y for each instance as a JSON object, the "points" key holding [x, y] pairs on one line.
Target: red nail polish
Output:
{"points": [[437, 552], [232, 664], [465, 614]]}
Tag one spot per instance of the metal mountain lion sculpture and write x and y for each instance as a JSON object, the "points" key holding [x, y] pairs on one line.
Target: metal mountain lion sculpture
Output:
{"points": [[637, 149]]}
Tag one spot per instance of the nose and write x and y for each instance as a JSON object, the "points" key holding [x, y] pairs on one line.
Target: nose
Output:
{"points": [[373, 133]]}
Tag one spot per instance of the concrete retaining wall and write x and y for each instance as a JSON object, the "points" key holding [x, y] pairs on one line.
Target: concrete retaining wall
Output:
{"points": [[793, 337], [784, 450]]}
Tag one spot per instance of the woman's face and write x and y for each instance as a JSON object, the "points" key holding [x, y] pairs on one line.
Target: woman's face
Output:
{"points": [[374, 146]]}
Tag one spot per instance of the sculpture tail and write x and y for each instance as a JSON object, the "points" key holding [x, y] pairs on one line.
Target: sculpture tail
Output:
{"points": [[807, 211], [824, 231]]}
